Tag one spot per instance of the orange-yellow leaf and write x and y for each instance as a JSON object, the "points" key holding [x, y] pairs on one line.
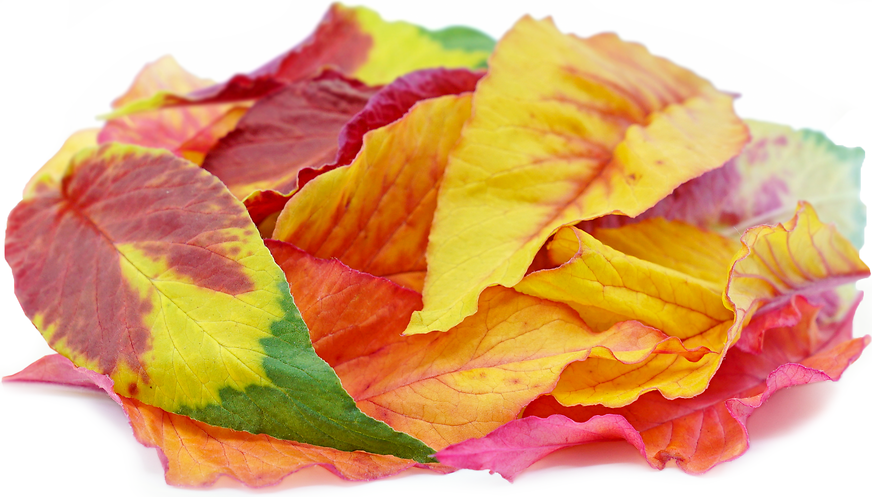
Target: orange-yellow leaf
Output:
{"points": [[707, 430], [446, 387], [681, 280], [697, 253], [563, 129], [375, 214], [800, 257], [606, 286]]}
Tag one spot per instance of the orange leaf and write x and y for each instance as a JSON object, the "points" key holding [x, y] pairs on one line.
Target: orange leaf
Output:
{"points": [[446, 387], [697, 433], [374, 215], [198, 453]]}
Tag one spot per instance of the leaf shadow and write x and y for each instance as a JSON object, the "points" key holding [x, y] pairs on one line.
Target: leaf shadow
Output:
{"points": [[95, 403], [789, 409], [590, 455], [310, 477]]}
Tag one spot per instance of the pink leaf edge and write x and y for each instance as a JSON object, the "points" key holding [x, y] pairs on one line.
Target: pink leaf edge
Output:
{"points": [[59, 370]]}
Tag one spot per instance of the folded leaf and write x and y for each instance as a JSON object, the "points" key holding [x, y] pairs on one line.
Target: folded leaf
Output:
{"points": [[264, 207], [167, 128], [822, 266], [144, 267], [49, 175], [563, 130], [777, 169], [395, 99], [58, 369], [697, 253], [801, 257], [446, 387], [293, 128], [351, 40], [697, 433], [196, 147], [390, 104], [606, 286], [751, 339], [673, 277], [387, 105], [197, 454], [374, 215]]}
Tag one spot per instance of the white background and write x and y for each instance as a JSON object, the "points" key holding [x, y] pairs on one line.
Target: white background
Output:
{"points": [[61, 63]]}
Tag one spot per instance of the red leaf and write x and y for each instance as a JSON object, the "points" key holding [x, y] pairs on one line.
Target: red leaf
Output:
{"points": [[293, 128], [336, 42]]}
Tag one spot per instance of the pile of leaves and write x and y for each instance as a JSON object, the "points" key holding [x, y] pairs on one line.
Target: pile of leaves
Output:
{"points": [[391, 247]]}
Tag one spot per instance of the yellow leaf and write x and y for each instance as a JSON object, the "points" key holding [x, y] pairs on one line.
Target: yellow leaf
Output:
{"points": [[800, 256], [673, 277], [563, 129]]}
